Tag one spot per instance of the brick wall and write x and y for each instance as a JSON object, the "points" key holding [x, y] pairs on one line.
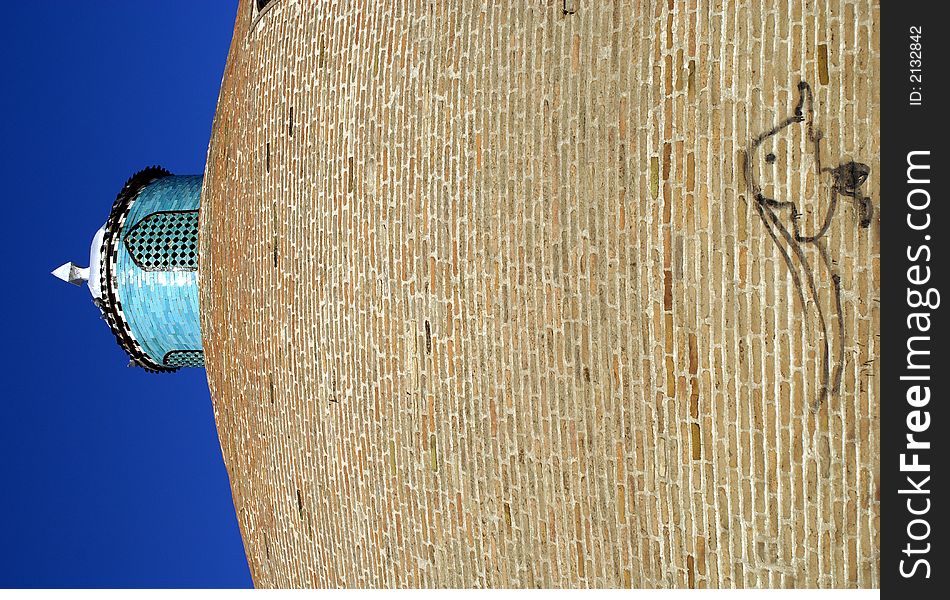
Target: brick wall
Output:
{"points": [[488, 297]]}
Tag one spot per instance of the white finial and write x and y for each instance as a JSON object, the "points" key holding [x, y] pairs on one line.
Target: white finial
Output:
{"points": [[71, 273]]}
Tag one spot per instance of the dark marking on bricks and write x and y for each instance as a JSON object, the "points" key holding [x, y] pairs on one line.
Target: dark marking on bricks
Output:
{"points": [[808, 255]]}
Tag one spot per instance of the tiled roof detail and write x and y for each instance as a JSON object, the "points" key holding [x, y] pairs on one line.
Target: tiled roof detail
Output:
{"points": [[109, 303], [185, 358], [149, 273], [165, 241]]}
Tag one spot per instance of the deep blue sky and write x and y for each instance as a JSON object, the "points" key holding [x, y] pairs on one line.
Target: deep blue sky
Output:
{"points": [[109, 476]]}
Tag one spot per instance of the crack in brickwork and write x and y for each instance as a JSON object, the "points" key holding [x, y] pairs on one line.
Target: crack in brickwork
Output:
{"points": [[500, 312]]}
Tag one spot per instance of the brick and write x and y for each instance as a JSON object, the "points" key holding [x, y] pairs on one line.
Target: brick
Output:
{"points": [[503, 233]]}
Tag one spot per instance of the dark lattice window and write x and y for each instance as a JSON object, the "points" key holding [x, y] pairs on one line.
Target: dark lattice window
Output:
{"points": [[261, 4], [165, 241], [184, 358]]}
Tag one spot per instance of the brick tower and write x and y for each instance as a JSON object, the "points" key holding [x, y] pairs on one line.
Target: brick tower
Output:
{"points": [[519, 302]]}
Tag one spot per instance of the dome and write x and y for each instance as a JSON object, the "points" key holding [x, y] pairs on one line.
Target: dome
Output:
{"points": [[143, 270]]}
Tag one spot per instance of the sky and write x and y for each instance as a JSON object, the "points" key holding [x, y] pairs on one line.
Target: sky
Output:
{"points": [[109, 476]]}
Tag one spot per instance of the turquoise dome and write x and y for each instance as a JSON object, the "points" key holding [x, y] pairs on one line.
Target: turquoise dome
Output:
{"points": [[148, 270]]}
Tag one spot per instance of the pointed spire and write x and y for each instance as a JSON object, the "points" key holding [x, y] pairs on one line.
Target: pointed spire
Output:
{"points": [[72, 273]]}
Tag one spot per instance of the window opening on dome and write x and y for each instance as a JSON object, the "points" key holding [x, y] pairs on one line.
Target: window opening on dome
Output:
{"points": [[165, 241]]}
